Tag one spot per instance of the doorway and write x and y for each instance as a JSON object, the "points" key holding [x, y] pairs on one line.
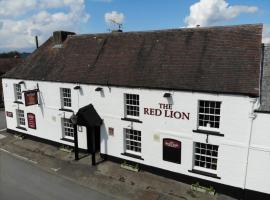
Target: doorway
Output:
{"points": [[93, 139]]}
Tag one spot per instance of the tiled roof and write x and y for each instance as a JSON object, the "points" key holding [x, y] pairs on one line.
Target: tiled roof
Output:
{"points": [[216, 59], [8, 63]]}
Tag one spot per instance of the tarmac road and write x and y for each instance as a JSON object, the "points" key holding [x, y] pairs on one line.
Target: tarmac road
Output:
{"points": [[22, 180]]}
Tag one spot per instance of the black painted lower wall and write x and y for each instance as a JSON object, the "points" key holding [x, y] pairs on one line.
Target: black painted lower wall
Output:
{"points": [[235, 192], [38, 139]]}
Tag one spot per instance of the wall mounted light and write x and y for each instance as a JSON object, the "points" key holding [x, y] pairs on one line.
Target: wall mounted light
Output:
{"points": [[167, 95], [77, 87], [98, 89]]}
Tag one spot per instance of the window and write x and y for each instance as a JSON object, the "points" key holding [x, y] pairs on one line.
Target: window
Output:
{"points": [[18, 92], [132, 105], [66, 97], [205, 157], [209, 114], [133, 141], [68, 130], [20, 118]]}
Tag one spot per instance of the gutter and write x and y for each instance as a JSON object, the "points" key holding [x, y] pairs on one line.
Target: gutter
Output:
{"points": [[252, 116], [261, 72]]}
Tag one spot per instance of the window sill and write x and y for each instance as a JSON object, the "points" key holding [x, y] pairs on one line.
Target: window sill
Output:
{"points": [[65, 109], [22, 128], [132, 156], [67, 140], [131, 120], [204, 173], [18, 102], [208, 132]]}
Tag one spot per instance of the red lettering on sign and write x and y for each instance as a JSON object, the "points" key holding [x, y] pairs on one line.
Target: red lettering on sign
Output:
{"points": [[172, 143], [146, 111], [185, 115], [166, 111]]}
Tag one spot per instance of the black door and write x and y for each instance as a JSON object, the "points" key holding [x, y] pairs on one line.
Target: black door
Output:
{"points": [[93, 139]]}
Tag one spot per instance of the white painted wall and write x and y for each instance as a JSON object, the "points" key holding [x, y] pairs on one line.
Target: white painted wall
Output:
{"points": [[235, 124], [258, 176]]}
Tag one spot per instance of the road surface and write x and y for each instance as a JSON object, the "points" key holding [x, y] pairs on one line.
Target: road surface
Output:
{"points": [[25, 181]]}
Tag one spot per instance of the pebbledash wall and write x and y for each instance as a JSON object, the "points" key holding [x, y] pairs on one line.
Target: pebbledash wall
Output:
{"points": [[237, 121]]}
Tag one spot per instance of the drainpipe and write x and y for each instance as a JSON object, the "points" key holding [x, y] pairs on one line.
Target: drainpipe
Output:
{"points": [[252, 117]]}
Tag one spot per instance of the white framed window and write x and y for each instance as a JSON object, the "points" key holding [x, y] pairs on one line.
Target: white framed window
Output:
{"points": [[66, 97], [133, 141], [209, 115], [18, 92], [132, 105], [68, 130], [20, 117], [205, 157]]}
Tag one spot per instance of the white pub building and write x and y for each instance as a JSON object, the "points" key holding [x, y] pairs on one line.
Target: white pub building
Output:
{"points": [[191, 104]]}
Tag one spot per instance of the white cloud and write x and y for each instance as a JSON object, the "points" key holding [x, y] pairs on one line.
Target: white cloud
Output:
{"points": [[266, 33], [19, 28], [114, 17], [214, 12]]}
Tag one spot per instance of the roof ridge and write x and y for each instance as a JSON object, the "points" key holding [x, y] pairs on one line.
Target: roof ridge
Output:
{"points": [[166, 30]]}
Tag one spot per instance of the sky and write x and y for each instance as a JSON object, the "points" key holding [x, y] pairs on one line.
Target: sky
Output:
{"points": [[22, 20]]}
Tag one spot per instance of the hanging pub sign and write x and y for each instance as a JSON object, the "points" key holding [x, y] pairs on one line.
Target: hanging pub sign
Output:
{"points": [[9, 114], [172, 150], [31, 97], [31, 118]]}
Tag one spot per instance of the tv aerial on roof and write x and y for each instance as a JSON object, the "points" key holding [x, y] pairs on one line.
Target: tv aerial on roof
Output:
{"points": [[116, 24]]}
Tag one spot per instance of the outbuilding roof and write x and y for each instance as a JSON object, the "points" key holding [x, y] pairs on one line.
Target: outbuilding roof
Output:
{"points": [[215, 59]]}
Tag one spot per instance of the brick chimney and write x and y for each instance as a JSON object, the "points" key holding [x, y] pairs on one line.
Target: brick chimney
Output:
{"points": [[59, 37]]}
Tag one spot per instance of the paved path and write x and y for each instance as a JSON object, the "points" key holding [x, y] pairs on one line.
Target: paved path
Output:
{"points": [[2, 120], [24, 181]]}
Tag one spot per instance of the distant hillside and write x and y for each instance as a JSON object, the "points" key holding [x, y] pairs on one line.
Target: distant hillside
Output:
{"points": [[14, 54]]}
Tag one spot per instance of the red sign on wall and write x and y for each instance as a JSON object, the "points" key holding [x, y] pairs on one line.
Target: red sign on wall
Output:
{"points": [[9, 114], [31, 118], [31, 97], [172, 143]]}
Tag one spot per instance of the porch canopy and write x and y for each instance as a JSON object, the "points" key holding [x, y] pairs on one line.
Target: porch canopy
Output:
{"points": [[88, 116]]}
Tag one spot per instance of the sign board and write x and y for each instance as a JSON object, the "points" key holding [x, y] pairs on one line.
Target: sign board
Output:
{"points": [[172, 150], [111, 131], [166, 110], [31, 118], [9, 114], [31, 97]]}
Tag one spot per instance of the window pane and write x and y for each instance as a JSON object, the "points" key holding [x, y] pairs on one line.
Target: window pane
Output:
{"points": [[209, 113], [133, 140], [132, 104], [206, 155]]}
